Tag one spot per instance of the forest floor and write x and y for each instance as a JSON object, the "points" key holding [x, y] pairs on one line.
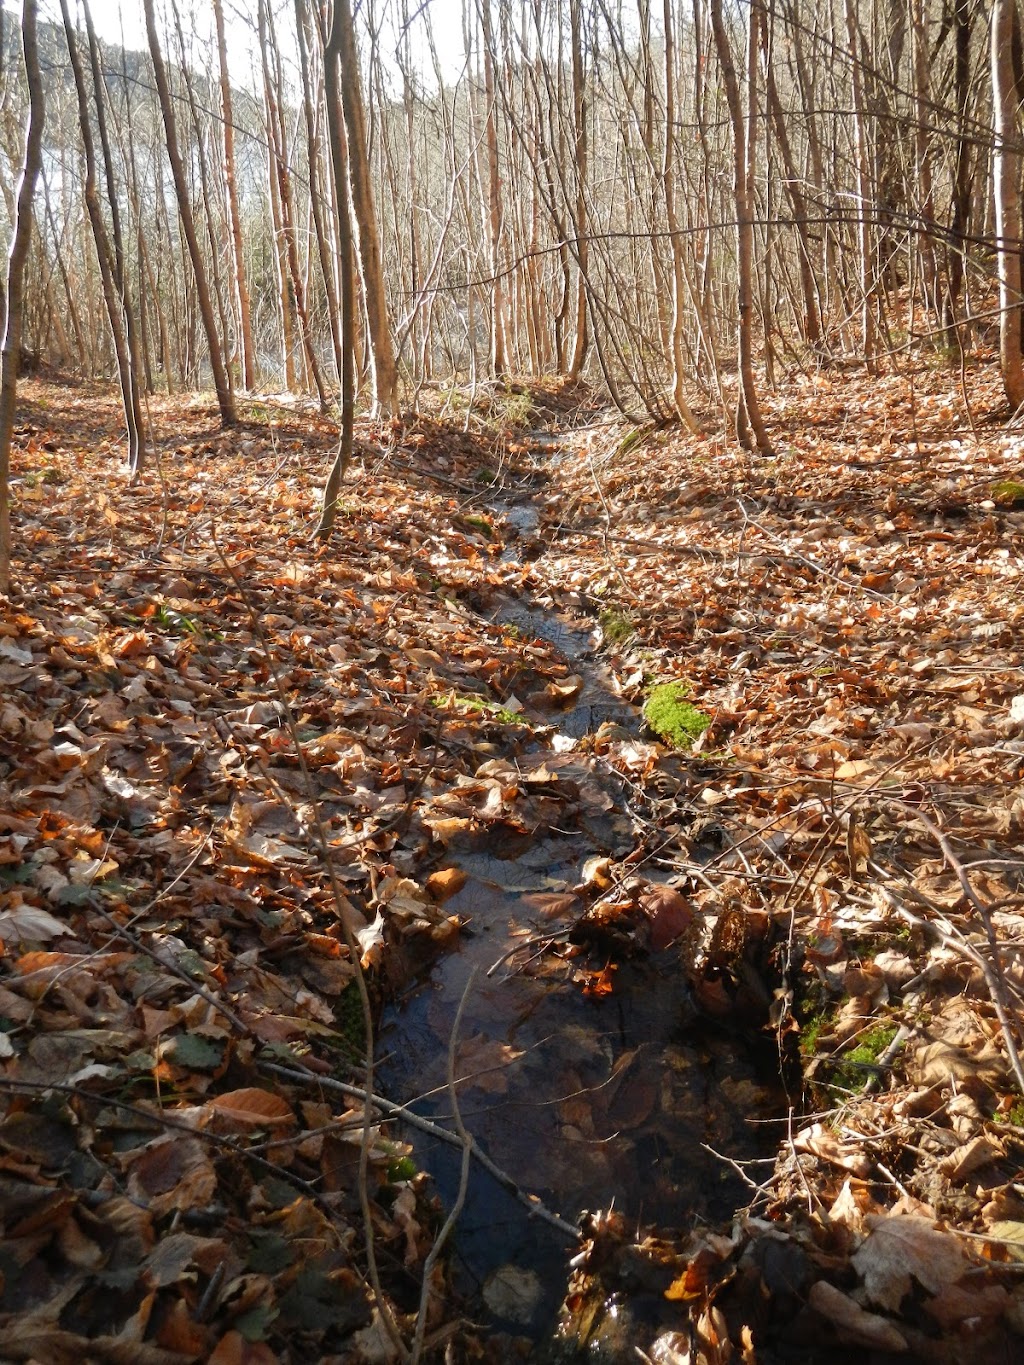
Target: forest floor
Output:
{"points": [[233, 759]]}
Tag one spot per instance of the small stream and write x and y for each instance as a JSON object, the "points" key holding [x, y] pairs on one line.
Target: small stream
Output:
{"points": [[586, 1102]]}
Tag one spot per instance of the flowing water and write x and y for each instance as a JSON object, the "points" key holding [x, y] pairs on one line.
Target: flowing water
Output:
{"points": [[586, 1101]]}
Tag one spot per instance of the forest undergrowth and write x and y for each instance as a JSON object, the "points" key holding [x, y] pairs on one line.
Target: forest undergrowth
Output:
{"points": [[234, 759]]}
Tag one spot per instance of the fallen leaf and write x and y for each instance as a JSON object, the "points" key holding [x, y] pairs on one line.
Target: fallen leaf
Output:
{"points": [[251, 1107], [445, 883], [899, 1249], [851, 1321], [30, 923]]}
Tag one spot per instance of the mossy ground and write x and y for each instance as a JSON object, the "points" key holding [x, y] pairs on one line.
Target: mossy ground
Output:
{"points": [[1009, 492], [616, 626], [673, 718]]}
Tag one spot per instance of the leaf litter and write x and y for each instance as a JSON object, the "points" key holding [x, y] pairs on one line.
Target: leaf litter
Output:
{"points": [[194, 695]]}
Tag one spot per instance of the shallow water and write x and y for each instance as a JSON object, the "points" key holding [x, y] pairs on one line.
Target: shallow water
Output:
{"points": [[585, 1102]]}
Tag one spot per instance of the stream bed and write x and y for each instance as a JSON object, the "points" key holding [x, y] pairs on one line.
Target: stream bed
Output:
{"points": [[586, 1099]]}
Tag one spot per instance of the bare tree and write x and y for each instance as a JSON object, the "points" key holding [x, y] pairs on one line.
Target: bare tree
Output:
{"points": [[1007, 92], [750, 428], [333, 48], [10, 355], [240, 278], [111, 265], [364, 213], [204, 299]]}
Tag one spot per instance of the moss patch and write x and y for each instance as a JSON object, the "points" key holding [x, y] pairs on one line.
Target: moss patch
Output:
{"points": [[1008, 493], [480, 524], [491, 709], [673, 718], [851, 1072], [351, 1024], [616, 626]]}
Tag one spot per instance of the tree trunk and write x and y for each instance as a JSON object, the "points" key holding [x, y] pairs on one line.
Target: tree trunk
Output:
{"points": [[14, 293], [495, 223], [794, 192], [114, 298], [750, 428], [316, 195], [923, 158], [864, 208], [279, 170], [668, 176], [1006, 97], [241, 283], [385, 371], [347, 274], [962, 171], [221, 382]]}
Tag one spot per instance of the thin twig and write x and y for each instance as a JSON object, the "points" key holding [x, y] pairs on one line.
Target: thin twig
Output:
{"points": [[993, 971], [812, 563], [460, 1199], [405, 1115]]}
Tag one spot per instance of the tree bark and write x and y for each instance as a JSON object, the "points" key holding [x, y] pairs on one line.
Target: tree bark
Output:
{"points": [[113, 290], [14, 294], [495, 223], [750, 428], [221, 381], [668, 177], [385, 370], [1006, 96], [347, 274], [241, 283], [811, 319], [865, 254], [279, 170], [316, 195]]}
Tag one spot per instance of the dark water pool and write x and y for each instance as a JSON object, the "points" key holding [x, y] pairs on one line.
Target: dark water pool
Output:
{"points": [[585, 1102]]}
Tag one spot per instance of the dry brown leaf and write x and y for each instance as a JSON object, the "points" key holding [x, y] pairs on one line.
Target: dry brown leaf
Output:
{"points": [[251, 1107], [899, 1249], [822, 1143], [445, 883], [670, 914], [851, 1322]]}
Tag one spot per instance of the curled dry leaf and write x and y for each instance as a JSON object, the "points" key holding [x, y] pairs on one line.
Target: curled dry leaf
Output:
{"points": [[250, 1108], [851, 1322], [670, 914], [822, 1143], [30, 924]]}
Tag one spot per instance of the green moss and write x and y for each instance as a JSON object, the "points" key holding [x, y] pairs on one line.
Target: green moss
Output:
{"points": [[672, 718], [351, 1024], [856, 1066], [1008, 492], [401, 1170], [630, 441], [489, 708], [616, 626], [480, 524], [811, 1031]]}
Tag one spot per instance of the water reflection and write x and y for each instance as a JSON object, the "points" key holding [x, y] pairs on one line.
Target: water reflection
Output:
{"points": [[586, 1102]]}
